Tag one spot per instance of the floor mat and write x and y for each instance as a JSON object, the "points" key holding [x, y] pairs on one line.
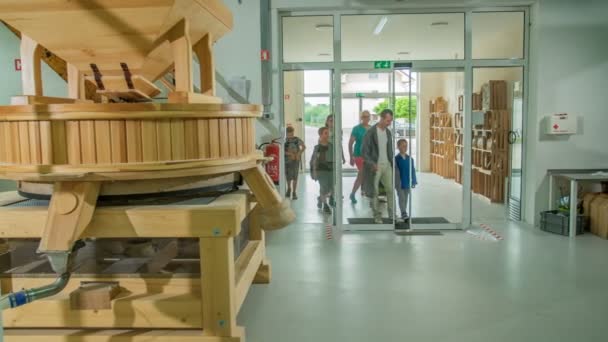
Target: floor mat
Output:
{"points": [[402, 232], [415, 220]]}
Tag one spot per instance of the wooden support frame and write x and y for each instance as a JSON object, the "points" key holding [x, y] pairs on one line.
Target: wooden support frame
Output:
{"points": [[70, 211], [204, 51], [31, 73], [175, 304]]}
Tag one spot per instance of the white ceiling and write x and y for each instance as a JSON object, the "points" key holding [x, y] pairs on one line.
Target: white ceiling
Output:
{"points": [[495, 35]]}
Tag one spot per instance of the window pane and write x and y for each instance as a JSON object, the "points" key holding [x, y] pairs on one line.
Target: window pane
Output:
{"points": [[317, 81], [308, 39], [498, 35], [403, 37]]}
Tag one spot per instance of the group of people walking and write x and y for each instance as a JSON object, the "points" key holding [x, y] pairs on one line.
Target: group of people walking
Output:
{"points": [[371, 150]]}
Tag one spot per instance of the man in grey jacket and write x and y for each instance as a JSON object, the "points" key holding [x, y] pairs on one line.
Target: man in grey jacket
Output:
{"points": [[377, 152]]}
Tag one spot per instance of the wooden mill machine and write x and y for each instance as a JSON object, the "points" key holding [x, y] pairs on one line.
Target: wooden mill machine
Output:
{"points": [[118, 167]]}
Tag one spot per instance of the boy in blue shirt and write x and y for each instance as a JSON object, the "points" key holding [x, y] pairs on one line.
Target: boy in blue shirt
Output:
{"points": [[405, 176]]}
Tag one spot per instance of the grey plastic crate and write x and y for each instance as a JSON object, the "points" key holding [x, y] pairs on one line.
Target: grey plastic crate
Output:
{"points": [[557, 222]]}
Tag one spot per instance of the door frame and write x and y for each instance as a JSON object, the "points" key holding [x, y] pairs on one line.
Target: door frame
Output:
{"points": [[337, 66]]}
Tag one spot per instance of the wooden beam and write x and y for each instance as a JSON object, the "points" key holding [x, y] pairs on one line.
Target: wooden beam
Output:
{"points": [[218, 286], [94, 296], [67, 335], [42, 100], [191, 97], [204, 51], [70, 211], [31, 74], [221, 217], [76, 83], [246, 268], [181, 45]]}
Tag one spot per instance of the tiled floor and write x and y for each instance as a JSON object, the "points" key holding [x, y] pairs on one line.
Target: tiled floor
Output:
{"points": [[376, 286]]}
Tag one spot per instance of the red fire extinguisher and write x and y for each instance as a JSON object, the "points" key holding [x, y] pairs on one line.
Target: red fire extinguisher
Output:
{"points": [[272, 150]]}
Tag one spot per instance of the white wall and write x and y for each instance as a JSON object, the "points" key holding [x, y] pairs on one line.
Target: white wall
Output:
{"points": [[10, 80], [569, 74]]}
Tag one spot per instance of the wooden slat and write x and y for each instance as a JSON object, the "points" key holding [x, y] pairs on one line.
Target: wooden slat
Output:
{"points": [[238, 141], [163, 130], [191, 139], [203, 139], [46, 141], [224, 136], [87, 141], [118, 135], [150, 143], [4, 146], [62, 146], [14, 155], [103, 142], [214, 138], [178, 149], [134, 141], [24, 142], [35, 142], [232, 136]]}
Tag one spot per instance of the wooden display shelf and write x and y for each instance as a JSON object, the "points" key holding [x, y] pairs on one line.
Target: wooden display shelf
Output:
{"points": [[207, 301]]}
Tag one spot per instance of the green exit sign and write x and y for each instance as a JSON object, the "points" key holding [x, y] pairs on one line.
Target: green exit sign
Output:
{"points": [[382, 64], [359, 95]]}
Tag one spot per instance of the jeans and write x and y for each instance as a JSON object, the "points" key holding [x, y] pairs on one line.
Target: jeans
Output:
{"points": [[403, 195], [384, 175]]}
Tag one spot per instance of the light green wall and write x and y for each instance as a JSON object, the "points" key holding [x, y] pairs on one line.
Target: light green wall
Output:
{"points": [[10, 80]]}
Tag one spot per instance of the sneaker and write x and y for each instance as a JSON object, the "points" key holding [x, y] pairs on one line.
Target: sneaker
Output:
{"points": [[404, 216], [294, 196], [319, 203], [378, 220], [399, 220], [288, 194], [326, 208], [332, 201], [353, 199]]}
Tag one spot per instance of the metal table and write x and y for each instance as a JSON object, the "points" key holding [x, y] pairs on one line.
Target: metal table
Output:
{"points": [[574, 178]]}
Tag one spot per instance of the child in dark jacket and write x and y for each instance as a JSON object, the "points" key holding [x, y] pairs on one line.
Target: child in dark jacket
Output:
{"points": [[321, 168], [405, 176]]}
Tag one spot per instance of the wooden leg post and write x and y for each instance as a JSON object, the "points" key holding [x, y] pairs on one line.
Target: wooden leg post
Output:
{"points": [[204, 51], [218, 287], [31, 75], [256, 233], [76, 83], [70, 211], [273, 212], [181, 45]]}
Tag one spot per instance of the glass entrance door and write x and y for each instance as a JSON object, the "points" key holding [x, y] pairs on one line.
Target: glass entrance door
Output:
{"points": [[429, 120], [515, 140], [366, 176]]}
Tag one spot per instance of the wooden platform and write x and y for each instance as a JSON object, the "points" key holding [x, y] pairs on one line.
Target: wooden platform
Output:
{"points": [[147, 304]]}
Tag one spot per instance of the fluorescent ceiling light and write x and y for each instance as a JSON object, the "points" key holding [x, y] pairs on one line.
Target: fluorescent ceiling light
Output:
{"points": [[324, 27], [380, 25]]}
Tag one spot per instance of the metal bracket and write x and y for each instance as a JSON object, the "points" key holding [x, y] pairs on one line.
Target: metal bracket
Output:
{"points": [[98, 76]]}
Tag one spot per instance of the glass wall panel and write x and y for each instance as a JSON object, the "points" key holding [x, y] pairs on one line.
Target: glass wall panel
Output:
{"points": [[498, 35], [403, 37], [308, 39]]}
